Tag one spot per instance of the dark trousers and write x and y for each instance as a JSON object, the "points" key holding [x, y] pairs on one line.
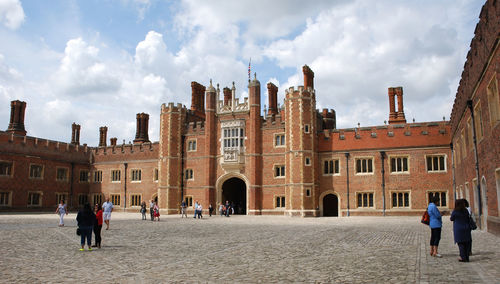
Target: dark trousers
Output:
{"points": [[435, 236], [151, 211], [86, 233], [97, 233], [463, 247], [470, 248]]}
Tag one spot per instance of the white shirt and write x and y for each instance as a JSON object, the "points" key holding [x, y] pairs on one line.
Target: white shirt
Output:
{"points": [[62, 209], [107, 207]]}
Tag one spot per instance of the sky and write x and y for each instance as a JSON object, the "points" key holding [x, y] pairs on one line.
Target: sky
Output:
{"points": [[100, 62]]}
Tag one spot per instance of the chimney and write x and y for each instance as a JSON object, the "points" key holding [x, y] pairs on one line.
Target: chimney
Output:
{"points": [[228, 96], [197, 98], [141, 134], [103, 131], [308, 77], [75, 134], [272, 92], [112, 141], [396, 116], [16, 124]]}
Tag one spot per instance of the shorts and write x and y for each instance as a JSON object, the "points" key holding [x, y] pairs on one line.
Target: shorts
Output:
{"points": [[106, 215]]}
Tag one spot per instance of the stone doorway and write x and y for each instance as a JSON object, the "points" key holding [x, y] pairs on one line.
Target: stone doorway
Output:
{"points": [[330, 205], [234, 190]]}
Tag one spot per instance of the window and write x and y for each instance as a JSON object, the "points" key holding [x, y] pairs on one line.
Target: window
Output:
{"points": [[155, 175], [34, 199], [115, 199], [83, 199], [135, 200], [364, 165], [97, 176], [399, 164], [478, 121], [365, 199], [84, 176], [5, 168], [279, 171], [36, 171], [280, 202], [436, 163], [308, 192], [189, 174], [4, 198], [61, 197], [232, 140], [331, 167], [233, 137], [400, 199], [98, 198], [441, 195], [136, 175], [189, 201], [493, 101], [306, 128], [115, 175], [191, 145], [279, 140], [62, 174], [308, 161]]}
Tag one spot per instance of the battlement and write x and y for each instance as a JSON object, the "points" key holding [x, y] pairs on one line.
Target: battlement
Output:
{"points": [[195, 127], [386, 136], [301, 91], [14, 143], [126, 149], [273, 120], [481, 48], [170, 107]]}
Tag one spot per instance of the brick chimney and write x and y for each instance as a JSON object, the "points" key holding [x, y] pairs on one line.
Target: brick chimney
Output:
{"points": [[272, 92], [103, 131], [308, 77], [75, 134], [112, 141], [399, 115], [141, 134], [198, 98], [228, 96], [16, 124]]}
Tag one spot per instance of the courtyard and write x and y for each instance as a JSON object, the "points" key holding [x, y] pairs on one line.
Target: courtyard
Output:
{"points": [[240, 249]]}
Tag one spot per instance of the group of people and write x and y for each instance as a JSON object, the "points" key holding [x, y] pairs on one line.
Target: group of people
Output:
{"points": [[226, 209], [154, 210], [88, 221], [461, 218]]}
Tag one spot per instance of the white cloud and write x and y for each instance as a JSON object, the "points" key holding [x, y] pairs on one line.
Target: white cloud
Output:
{"points": [[11, 13]]}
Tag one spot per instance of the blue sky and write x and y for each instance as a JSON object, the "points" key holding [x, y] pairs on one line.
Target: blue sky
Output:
{"points": [[99, 63]]}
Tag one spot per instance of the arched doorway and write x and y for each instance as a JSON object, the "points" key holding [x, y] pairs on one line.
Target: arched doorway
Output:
{"points": [[330, 205], [234, 190]]}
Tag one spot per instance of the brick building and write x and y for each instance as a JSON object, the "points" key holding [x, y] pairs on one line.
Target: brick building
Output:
{"points": [[475, 122]]}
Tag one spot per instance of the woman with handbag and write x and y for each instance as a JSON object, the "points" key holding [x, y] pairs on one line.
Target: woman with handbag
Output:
{"points": [[461, 229], [435, 223], [85, 220]]}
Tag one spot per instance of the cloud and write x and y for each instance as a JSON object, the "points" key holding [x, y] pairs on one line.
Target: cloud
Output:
{"points": [[11, 13]]}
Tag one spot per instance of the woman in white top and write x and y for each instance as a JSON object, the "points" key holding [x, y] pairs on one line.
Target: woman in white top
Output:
{"points": [[61, 210]]}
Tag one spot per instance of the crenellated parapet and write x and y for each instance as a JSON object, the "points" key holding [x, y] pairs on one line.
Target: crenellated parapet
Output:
{"points": [[197, 127], [300, 92], [482, 47]]}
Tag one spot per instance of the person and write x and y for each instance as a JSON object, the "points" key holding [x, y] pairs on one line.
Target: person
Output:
{"points": [[435, 223], [152, 209], [200, 210], [143, 210], [183, 209], [210, 210], [156, 210], [97, 225], [228, 208], [461, 229], [61, 210], [195, 208], [85, 220], [470, 214], [107, 208], [221, 209]]}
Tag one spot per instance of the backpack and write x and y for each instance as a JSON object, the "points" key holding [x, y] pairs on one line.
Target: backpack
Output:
{"points": [[425, 218]]}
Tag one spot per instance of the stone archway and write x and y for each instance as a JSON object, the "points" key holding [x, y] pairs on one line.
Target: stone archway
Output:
{"points": [[234, 190], [329, 204]]}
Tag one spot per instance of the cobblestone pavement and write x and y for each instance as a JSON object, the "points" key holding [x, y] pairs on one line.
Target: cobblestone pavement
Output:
{"points": [[240, 249]]}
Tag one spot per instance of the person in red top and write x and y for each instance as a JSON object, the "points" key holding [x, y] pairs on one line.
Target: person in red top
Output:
{"points": [[98, 225]]}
